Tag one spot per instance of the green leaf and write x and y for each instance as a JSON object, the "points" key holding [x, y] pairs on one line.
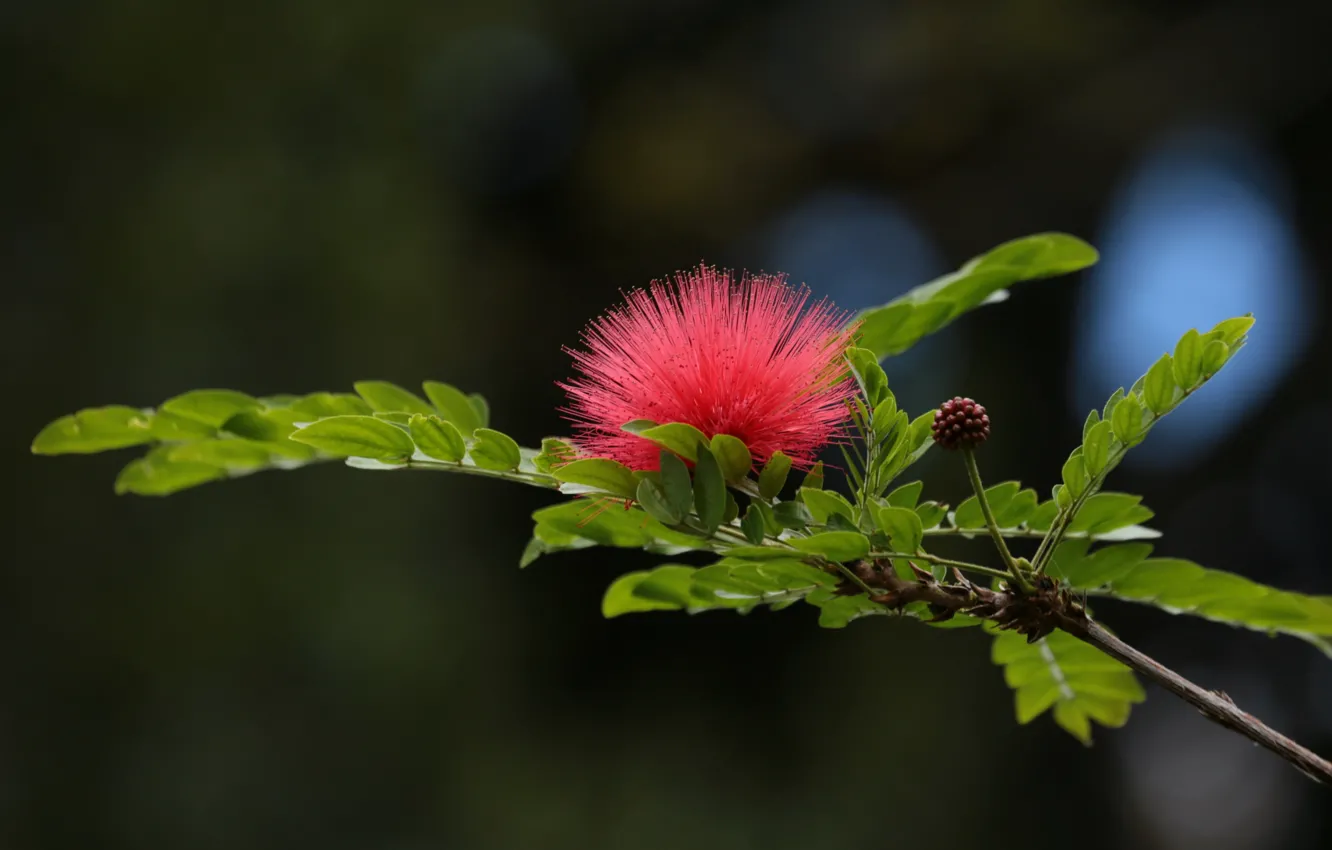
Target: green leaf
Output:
{"points": [[1058, 671], [1018, 510], [1231, 331], [383, 396], [1111, 403], [837, 612], [554, 452], [601, 473], [95, 429], [668, 590], [1075, 474], [1074, 720], [1214, 355], [155, 474], [903, 527], [318, 405], [597, 522], [753, 526], [1183, 587], [1073, 563], [732, 456], [678, 490], [1105, 512], [732, 512], [357, 436], [1093, 419], [969, 514], [481, 408], [814, 478], [1096, 448], [211, 407], [497, 451], [679, 437], [1127, 421], [457, 407], [793, 515], [1044, 515], [1158, 389], [834, 545], [709, 490], [897, 326], [272, 425], [773, 476], [825, 503], [1188, 359], [170, 428], [653, 499], [869, 374], [232, 454], [931, 514], [437, 438], [907, 495]]}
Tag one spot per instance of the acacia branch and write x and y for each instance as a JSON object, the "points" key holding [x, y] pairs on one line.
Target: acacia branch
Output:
{"points": [[1213, 705], [1039, 613]]}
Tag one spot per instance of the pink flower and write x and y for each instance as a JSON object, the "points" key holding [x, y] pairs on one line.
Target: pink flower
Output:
{"points": [[748, 359]]}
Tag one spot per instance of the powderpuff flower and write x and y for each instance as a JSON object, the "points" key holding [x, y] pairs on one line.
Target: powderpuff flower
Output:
{"points": [[751, 358]]}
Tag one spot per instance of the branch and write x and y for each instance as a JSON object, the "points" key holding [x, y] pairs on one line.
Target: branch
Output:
{"points": [[1215, 707], [1050, 607]]}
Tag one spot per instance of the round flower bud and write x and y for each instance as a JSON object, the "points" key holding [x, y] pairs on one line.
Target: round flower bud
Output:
{"points": [[960, 422]]}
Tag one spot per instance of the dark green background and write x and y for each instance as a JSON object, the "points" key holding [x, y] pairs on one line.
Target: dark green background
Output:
{"points": [[289, 196]]}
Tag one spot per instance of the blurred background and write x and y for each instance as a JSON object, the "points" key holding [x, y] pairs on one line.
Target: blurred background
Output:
{"points": [[290, 196]]}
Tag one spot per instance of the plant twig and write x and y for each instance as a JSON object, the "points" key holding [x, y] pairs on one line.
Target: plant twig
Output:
{"points": [[1215, 707], [973, 473], [1050, 608], [946, 562]]}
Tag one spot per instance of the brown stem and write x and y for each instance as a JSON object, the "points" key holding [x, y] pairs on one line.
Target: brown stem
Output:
{"points": [[1049, 608], [1217, 708]]}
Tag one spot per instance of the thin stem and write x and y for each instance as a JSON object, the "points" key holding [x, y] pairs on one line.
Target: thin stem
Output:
{"points": [[530, 478], [1009, 533], [973, 473], [934, 559], [1214, 706], [857, 580]]}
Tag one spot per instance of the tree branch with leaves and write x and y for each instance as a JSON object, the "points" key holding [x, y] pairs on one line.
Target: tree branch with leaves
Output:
{"points": [[693, 405]]}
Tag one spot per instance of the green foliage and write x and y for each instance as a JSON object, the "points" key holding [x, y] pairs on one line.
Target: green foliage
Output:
{"points": [[709, 490], [840, 546], [1078, 681], [495, 450], [732, 456], [730, 584], [773, 476], [437, 438], [890, 440], [679, 437], [869, 375], [210, 435], [384, 397], [824, 503], [704, 498], [1105, 516], [156, 474], [899, 324], [600, 474], [358, 436], [1125, 572], [467, 413], [1133, 413], [96, 429]]}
